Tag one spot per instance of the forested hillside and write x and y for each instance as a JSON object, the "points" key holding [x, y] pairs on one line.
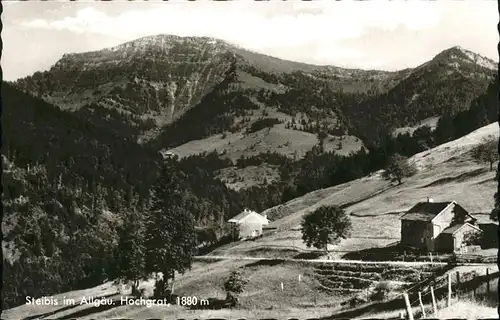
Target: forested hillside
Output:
{"points": [[158, 89], [81, 150], [67, 187]]}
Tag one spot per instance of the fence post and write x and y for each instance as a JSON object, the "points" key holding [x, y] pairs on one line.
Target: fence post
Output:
{"points": [[458, 284], [474, 287], [282, 286], [434, 306], [408, 306], [430, 256], [449, 289], [300, 277], [488, 280], [421, 304]]}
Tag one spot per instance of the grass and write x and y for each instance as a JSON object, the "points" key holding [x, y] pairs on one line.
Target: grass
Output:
{"points": [[469, 310], [240, 178], [374, 206], [431, 122], [288, 142], [467, 306]]}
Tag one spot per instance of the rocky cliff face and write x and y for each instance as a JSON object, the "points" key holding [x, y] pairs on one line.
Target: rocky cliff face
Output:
{"points": [[157, 77]]}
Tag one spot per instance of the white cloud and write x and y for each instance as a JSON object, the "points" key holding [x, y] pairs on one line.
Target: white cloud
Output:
{"points": [[358, 34]]}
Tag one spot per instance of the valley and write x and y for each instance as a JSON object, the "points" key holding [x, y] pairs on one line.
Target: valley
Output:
{"points": [[374, 206], [108, 149]]}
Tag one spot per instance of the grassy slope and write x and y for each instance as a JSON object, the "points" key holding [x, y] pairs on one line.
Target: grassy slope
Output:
{"points": [[276, 139], [465, 307], [375, 220], [447, 172], [203, 281], [236, 178], [431, 122]]}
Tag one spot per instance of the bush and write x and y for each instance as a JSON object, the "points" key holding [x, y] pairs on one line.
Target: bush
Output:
{"points": [[381, 291], [234, 286], [263, 123]]}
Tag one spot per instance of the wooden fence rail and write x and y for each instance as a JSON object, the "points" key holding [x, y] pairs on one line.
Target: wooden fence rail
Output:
{"points": [[434, 293]]}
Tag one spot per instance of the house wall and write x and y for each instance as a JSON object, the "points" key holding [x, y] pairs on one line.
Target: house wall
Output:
{"points": [[460, 234], [250, 225], [413, 233], [235, 230], [249, 229], [445, 243], [430, 241]]}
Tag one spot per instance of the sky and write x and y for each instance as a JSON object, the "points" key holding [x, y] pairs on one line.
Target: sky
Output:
{"points": [[377, 34]]}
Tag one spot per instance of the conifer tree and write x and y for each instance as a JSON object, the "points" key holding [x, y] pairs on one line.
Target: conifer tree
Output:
{"points": [[234, 286], [130, 250]]}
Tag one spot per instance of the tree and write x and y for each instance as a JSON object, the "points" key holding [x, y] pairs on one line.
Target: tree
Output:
{"points": [[472, 238], [496, 207], [130, 252], [487, 151], [171, 237], [322, 135], [382, 290], [325, 226], [398, 168], [234, 286]]}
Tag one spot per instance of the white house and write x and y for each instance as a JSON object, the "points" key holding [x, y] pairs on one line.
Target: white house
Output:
{"points": [[248, 224]]}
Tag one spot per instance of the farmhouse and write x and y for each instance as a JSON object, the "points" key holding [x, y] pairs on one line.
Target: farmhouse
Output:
{"points": [[437, 226], [248, 224]]}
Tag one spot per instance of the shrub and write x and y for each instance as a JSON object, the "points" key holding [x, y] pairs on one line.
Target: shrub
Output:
{"points": [[234, 286], [263, 123]]}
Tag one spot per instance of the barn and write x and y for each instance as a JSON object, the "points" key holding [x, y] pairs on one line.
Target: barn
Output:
{"points": [[248, 224], [490, 231], [453, 238], [436, 226]]}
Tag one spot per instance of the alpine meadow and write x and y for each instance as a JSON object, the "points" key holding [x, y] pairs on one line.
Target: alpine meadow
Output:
{"points": [[187, 176]]}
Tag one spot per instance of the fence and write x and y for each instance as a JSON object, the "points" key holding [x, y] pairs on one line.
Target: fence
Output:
{"points": [[450, 288], [415, 257]]}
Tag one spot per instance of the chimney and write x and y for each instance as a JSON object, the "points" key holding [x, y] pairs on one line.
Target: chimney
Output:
{"points": [[430, 199]]}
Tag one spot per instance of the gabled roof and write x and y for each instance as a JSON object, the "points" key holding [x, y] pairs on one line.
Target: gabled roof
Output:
{"points": [[454, 229], [425, 211], [244, 214]]}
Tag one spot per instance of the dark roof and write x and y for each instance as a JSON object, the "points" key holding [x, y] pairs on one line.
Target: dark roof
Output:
{"points": [[425, 211], [482, 218], [452, 229]]}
